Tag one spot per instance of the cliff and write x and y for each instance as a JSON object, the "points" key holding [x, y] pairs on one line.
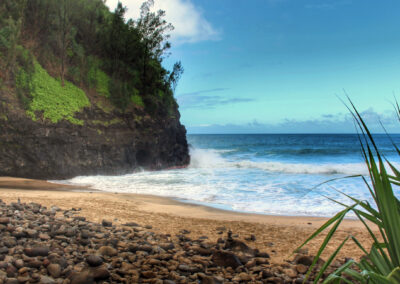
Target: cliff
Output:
{"points": [[84, 92], [106, 143]]}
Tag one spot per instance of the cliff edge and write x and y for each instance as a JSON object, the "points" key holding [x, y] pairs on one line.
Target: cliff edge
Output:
{"points": [[83, 91]]}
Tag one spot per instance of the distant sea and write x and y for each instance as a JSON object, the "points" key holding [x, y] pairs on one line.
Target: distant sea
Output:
{"points": [[259, 173]]}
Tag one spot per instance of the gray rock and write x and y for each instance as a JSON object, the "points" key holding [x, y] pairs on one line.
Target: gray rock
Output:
{"points": [[84, 277], [106, 223], [37, 251], [46, 280], [94, 260], [225, 259], [12, 281], [54, 270]]}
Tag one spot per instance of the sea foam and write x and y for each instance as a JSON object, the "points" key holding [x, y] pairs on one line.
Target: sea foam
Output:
{"points": [[261, 174]]}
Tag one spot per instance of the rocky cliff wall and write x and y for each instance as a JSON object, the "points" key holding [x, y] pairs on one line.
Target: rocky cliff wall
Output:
{"points": [[107, 143]]}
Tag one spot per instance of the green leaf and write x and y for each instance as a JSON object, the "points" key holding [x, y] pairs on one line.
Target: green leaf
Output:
{"points": [[394, 276]]}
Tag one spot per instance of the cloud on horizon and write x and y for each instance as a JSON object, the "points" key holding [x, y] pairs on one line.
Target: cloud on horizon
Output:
{"points": [[330, 123], [189, 21], [202, 99]]}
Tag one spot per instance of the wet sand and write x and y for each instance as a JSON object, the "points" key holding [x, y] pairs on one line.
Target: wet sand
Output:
{"points": [[278, 235]]}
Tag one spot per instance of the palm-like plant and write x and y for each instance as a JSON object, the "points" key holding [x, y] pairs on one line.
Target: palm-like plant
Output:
{"points": [[381, 264]]}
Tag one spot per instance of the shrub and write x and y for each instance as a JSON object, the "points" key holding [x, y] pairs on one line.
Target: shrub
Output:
{"points": [[102, 83], [381, 264], [55, 101], [137, 99]]}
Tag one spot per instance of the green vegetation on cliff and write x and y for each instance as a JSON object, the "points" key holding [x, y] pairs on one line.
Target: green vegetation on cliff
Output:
{"points": [[54, 100], [57, 56]]}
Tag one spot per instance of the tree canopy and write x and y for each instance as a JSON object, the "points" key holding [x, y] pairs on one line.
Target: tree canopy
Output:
{"points": [[83, 42]]}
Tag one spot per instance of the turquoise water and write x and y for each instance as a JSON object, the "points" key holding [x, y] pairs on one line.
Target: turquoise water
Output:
{"points": [[266, 173]]}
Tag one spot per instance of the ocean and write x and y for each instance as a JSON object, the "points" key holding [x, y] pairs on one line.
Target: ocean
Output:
{"points": [[277, 174]]}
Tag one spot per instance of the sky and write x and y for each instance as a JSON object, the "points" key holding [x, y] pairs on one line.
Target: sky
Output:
{"points": [[283, 66]]}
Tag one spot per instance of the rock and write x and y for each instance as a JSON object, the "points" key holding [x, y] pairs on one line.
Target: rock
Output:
{"points": [[55, 208], [131, 224], [94, 253], [106, 223], [12, 281], [301, 268], [9, 242], [3, 250], [64, 150], [19, 263], [4, 220], [84, 277], [304, 259], [207, 280], [23, 279], [243, 276], [46, 280], [251, 238], [262, 254], [94, 260], [275, 280], [54, 270], [237, 246], [267, 274], [34, 263], [37, 251], [187, 268], [290, 272], [149, 274], [107, 251], [225, 259], [44, 237], [99, 273], [11, 270], [23, 270]]}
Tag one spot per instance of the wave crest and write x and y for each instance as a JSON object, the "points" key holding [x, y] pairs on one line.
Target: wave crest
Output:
{"points": [[211, 159]]}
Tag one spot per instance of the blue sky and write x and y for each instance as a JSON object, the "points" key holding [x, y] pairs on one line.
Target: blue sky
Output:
{"points": [[277, 66]]}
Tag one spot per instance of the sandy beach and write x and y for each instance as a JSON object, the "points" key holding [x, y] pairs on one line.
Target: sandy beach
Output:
{"points": [[279, 235]]}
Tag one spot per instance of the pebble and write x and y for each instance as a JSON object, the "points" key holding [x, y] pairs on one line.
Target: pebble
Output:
{"points": [[54, 270], [39, 246], [94, 260]]}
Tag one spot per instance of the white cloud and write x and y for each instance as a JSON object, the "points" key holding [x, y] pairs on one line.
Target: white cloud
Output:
{"points": [[330, 123], [188, 20]]}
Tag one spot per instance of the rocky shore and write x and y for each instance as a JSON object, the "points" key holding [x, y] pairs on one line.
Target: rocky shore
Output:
{"points": [[50, 245]]}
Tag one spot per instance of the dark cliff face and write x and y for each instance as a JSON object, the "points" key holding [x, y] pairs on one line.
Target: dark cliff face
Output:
{"points": [[107, 143]]}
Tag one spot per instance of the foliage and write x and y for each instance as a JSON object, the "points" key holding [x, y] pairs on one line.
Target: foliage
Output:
{"points": [[137, 100], [381, 264], [23, 76], [55, 101], [100, 81], [81, 41]]}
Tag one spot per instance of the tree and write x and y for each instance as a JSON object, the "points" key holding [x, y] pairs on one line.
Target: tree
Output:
{"points": [[64, 33], [175, 75], [153, 30], [10, 32]]}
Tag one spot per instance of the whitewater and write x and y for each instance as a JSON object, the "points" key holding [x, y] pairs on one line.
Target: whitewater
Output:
{"points": [[278, 174]]}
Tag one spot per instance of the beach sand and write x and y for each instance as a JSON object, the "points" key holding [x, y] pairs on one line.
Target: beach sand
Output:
{"points": [[277, 235]]}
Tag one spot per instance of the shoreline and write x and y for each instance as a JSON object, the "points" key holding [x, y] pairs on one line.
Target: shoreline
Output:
{"points": [[186, 208], [278, 234]]}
